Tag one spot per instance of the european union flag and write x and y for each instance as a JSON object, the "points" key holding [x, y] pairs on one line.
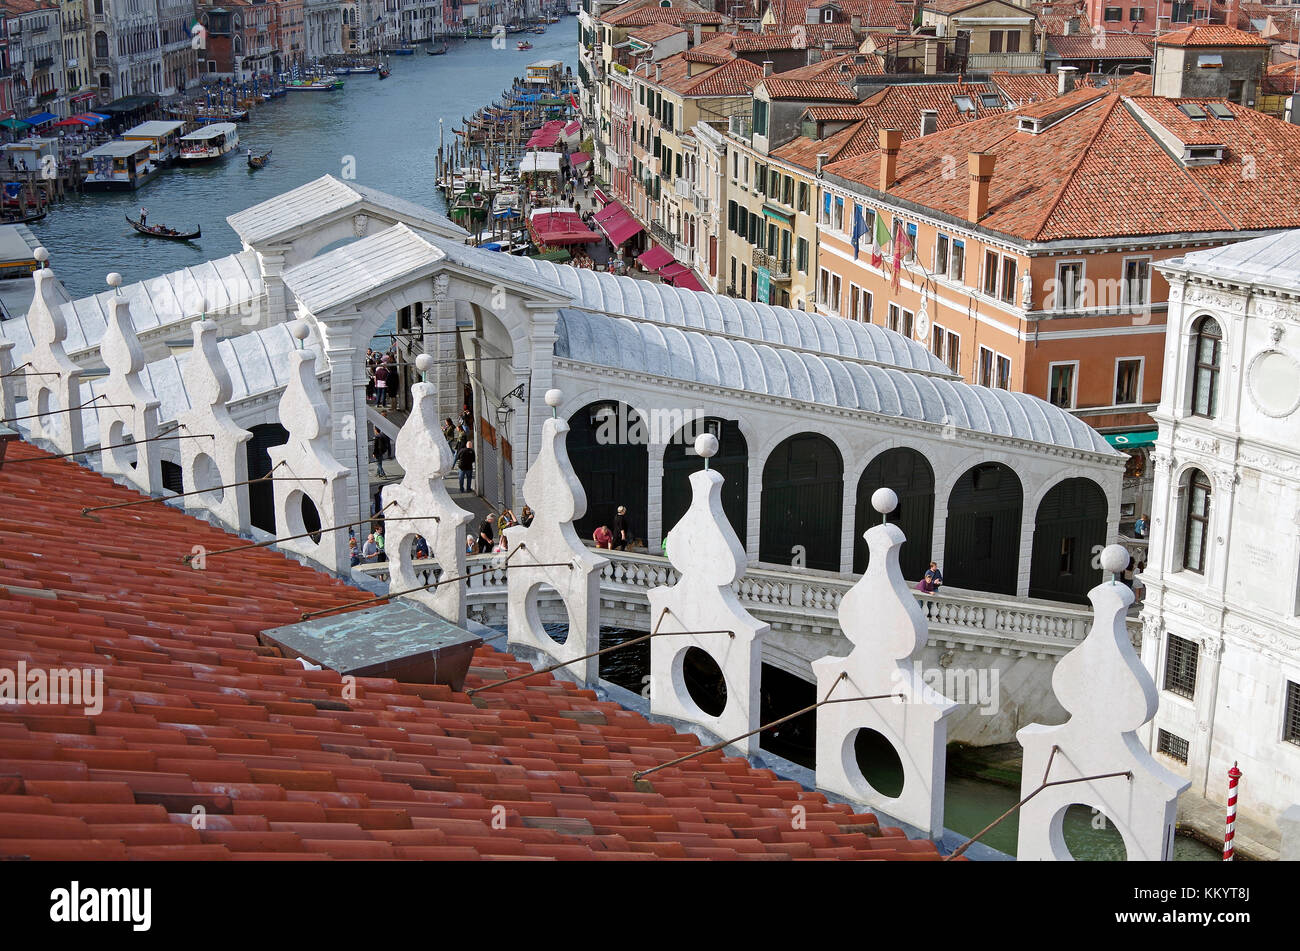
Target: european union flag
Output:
{"points": [[859, 228]]}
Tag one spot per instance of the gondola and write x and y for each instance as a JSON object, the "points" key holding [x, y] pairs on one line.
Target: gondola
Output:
{"points": [[22, 219], [153, 232], [383, 72], [257, 161], [437, 50]]}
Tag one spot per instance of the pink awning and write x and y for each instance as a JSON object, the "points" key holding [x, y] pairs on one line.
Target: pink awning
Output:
{"points": [[579, 158], [612, 209], [687, 281], [562, 227], [655, 258], [573, 128], [673, 271], [618, 226], [601, 196]]}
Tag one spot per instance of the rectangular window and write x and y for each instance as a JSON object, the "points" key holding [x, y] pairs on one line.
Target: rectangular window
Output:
{"points": [[1171, 745], [733, 276], [823, 286], [825, 218], [744, 281], [957, 264], [760, 178], [802, 250], [803, 197], [760, 117], [787, 190], [995, 41], [985, 377], [1060, 384], [1013, 41], [773, 184], [900, 320], [1008, 287], [941, 254], [735, 166], [1004, 373], [838, 223], [937, 337], [1137, 281], [1136, 14], [991, 273], [953, 355], [1180, 666], [1291, 714], [1128, 381], [836, 300], [1114, 14], [1069, 285], [864, 307], [733, 216]]}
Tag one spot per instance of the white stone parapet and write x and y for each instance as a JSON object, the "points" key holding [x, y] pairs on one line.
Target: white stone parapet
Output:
{"points": [[53, 380], [126, 410], [1109, 696]]}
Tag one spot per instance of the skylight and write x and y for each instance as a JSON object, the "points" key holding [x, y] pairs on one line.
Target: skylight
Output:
{"points": [[1220, 111], [1192, 111], [990, 100], [964, 103]]}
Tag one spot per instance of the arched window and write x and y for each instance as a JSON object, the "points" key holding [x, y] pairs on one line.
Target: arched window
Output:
{"points": [[99, 8], [1208, 350], [1196, 521]]}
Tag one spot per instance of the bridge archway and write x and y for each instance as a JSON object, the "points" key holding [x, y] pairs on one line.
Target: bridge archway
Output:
{"points": [[982, 540], [802, 503], [909, 474], [732, 461], [1069, 526], [607, 445]]}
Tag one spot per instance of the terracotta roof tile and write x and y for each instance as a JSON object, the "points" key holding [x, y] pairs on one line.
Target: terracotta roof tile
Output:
{"points": [[198, 713], [781, 87], [1211, 35], [1099, 46]]}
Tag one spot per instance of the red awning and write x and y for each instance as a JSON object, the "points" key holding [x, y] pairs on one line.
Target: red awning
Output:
{"points": [[547, 136], [601, 196], [83, 96], [609, 211], [618, 226], [687, 281], [655, 258], [562, 227], [673, 271], [579, 158]]}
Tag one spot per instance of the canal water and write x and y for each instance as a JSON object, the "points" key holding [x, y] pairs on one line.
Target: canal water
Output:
{"points": [[382, 133]]}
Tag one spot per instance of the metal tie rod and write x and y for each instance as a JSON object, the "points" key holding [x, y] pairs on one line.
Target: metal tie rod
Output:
{"points": [[766, 726], [89, 404], [170, 434], [375, 599], [33, 373], [288, 538]]}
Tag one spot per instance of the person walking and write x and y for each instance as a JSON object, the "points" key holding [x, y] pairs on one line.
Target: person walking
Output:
{"points": [[383, 449], [622, 534], [465, 465], [381, 386]]}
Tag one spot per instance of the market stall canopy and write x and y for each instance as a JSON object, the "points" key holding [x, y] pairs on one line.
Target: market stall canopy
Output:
{"points": [[562, 227], [13, 123], [547, 163], [655, 258], [557, 256], [601, 196], [687, 282], [579, 158], [618, 225], [129, 103], [673, 271], [547, 136], [40, 118]]}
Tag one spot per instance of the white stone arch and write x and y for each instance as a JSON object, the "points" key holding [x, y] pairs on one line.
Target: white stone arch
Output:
{"points": [[709, 559], [905, 439], [222, 460], [127, 410], [761, 452], [304, 467]]}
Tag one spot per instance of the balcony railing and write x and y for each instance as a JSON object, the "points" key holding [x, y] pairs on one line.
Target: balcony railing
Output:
{"points": [[778, 268], [684, 253], [988, 61], [662, 234]]}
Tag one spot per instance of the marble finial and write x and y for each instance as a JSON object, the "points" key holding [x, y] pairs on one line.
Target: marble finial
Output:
{"points": [[128, 406], [52, 379], [884, 500]]}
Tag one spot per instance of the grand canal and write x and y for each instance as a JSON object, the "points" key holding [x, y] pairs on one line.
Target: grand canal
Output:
{"points": [[385, 133]]}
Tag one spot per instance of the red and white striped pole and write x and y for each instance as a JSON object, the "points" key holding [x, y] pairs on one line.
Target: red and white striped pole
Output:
{"points": [[1234, 774]]}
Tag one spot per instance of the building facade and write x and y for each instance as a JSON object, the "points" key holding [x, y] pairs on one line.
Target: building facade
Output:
{"points": [[1222, 613]]}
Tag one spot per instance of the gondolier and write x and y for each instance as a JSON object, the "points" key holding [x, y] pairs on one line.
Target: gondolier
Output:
{"points": [[144, 213]]}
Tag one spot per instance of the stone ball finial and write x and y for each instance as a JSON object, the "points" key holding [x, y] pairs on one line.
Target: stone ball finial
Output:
{"points": [[884, 500], [41, 255], [299, 329], [1114, 558], [114, 279], [424, 363], [554, 398], [706, 445]]}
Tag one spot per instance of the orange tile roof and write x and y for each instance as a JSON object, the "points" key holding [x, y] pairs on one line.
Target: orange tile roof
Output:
{"points": [[289, 765], [655, 32], [884, 14], [1077, 180], [1212, 36], [644, 15], [832, 68], [781, 87], [736, 78], [1100, 46]]}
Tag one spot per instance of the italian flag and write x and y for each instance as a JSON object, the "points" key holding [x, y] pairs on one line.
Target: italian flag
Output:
{"points": [[879, 239]]}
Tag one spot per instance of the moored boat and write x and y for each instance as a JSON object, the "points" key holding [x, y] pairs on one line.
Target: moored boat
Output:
{"points": [[210, 142], [437, 50], [524, 45], [161, 231]]}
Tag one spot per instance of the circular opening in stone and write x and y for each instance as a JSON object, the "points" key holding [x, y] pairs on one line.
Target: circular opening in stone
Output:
{"points": [[1090, 835], [310, 516], [123, 444], [704, 681], [551, 611], [208, 478], [879, 763]]}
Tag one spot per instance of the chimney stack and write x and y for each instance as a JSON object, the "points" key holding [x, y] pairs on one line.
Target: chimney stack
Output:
{"points": [[855, 23], [698, 31], [827, 45], [980, 165], [890, 142], [1065, 79], [767, 67], [821, 160], [658, 70], [929, 121]]}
